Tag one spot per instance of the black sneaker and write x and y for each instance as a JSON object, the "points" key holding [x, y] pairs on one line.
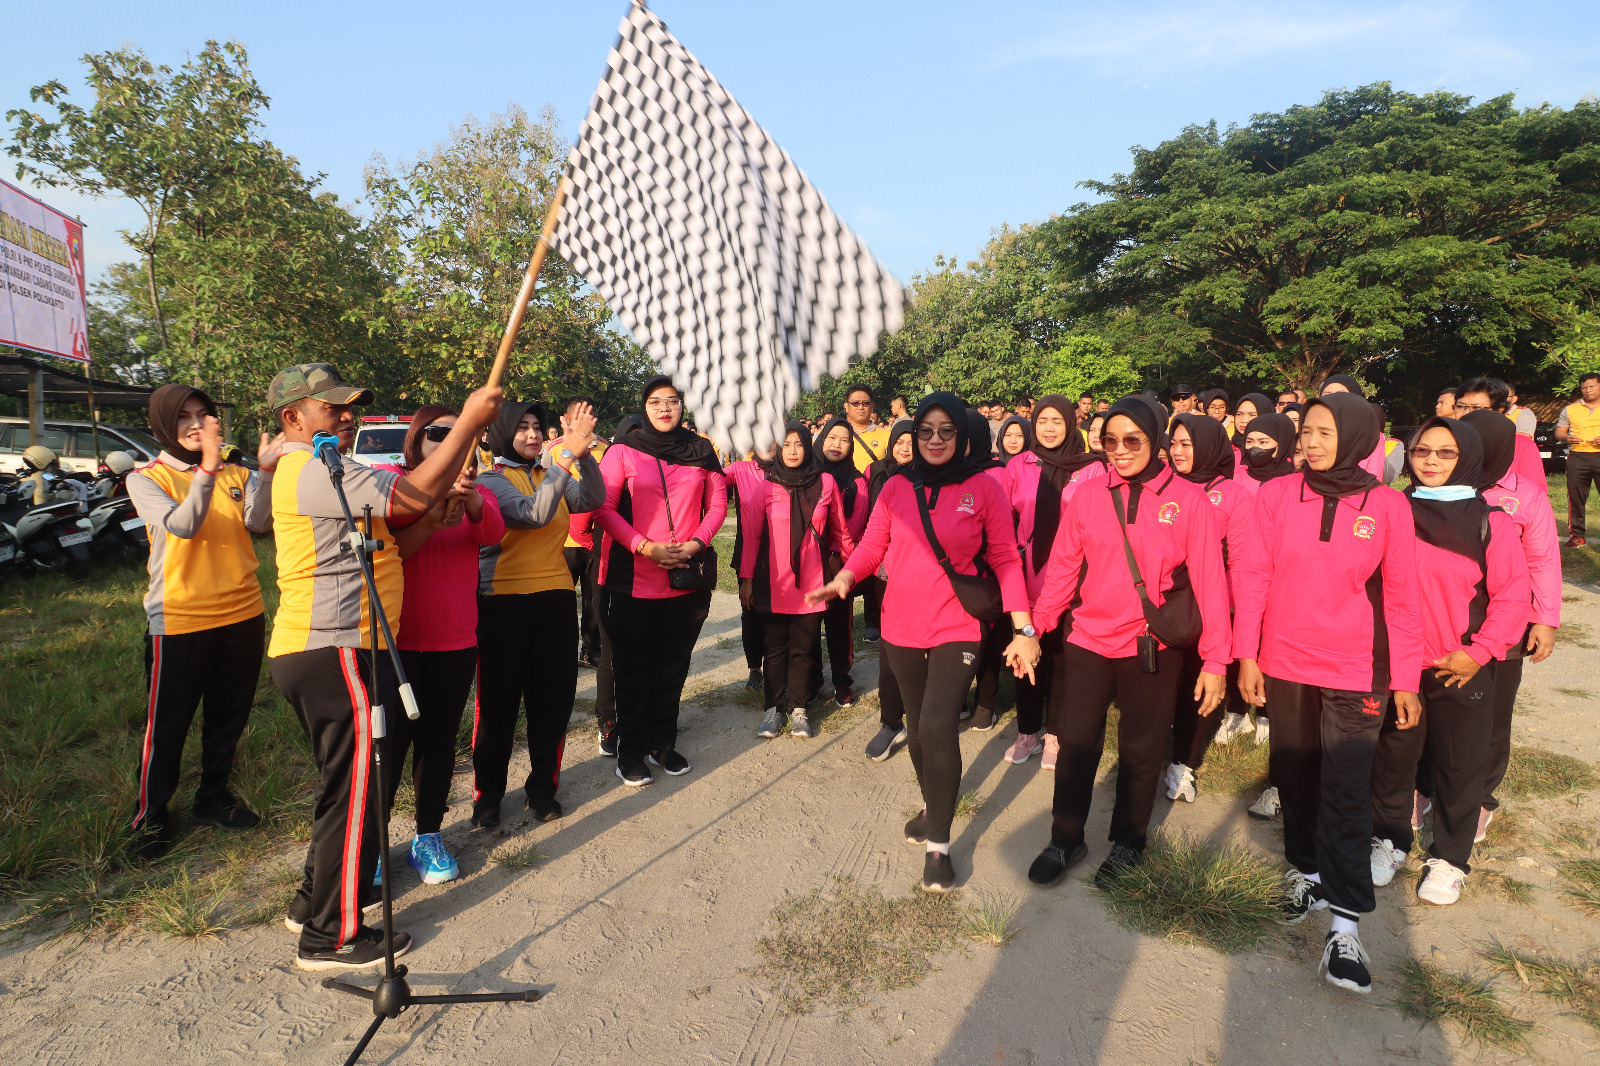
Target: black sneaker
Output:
{"points": [[982, 719], [361, 951], [873, 635], [1301, 896], [1344, 963], [228, 812], [1053, 861], [938, 872], [754, 682], [881, 746], [674, 764], [608, 744], [1122, 859], [545, 810], [917, 829], [486, 814], [151, 840], [637, 775]]}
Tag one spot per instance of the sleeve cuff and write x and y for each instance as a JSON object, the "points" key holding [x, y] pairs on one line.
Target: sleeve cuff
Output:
{"points": [[1478, 653], [1210, 667]]}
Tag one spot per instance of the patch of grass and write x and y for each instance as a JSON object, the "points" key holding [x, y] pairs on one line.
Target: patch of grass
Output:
{"points": [[1568, 837], [1238, 769], [1579, 565], [1431, 994], [1225, 898], [1576, 986], [1506, 830], [968, 803], [829, 717], [1546, 774], [1498, 884], [184, 908], [1575, 693], [1583, 885], [834, 945], [1578, 635], [992, 921], [513, 856]]}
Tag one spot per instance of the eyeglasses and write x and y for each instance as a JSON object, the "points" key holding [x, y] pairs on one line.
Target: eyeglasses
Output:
{"points": [[1472, 406], [669, 404], [1113, 443], [946, 432], [437, 434], [858, 403], [1420, 452]]}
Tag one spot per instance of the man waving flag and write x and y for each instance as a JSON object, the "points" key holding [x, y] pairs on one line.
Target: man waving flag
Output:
{"points": [[709, 243]]}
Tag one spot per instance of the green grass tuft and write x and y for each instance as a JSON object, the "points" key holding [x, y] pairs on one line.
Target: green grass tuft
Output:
{"points": [[968, 803], [1237, 769], [1583, 885], [185, 908], [1431, 994], [1225, 898], [512, 856], [1576, 986], [1546, 774], [992, 921]]}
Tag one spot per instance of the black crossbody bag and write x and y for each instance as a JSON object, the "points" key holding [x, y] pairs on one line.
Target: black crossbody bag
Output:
{"points": [[700, 575], [1176, 623], [979, 594]]}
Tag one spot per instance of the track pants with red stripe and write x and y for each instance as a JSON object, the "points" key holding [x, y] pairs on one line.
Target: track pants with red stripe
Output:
{"points": [[527, 656], [217, 666], [328, 689]]}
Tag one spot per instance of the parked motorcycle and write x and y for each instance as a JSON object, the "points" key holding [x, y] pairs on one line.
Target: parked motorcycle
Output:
{"points": [[53, 537]]}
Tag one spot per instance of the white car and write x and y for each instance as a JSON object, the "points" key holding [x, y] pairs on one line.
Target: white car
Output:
{"points": [[380, 440], [73, 443]]}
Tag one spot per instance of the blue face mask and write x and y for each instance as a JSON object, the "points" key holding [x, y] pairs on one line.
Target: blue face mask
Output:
{"points": [[1447, 493]]}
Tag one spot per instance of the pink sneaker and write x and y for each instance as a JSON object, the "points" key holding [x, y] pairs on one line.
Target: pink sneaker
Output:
{"points": [[1485, 816], [1420, 806], [1052, 748], [1026, 747]]}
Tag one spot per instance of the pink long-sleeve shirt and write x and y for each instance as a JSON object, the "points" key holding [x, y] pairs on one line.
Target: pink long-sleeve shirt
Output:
{"points": [[1456, 595], [769, 521], [1528, 504], [856, 519], [440, 609], [920, 609], [1087, 584], [1526, 463], [1235, 502], [1305, 608], [635, 511], [1022, 489]]}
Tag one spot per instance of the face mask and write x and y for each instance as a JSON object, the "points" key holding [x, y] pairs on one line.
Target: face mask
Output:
{"points": [[1260, 458]]}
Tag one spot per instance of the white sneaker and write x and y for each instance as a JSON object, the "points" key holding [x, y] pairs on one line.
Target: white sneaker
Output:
{"points": [[1263, 731], [1180, 783], [1267, 806], [1386, 861], [1233, 724], [1441, 885]]}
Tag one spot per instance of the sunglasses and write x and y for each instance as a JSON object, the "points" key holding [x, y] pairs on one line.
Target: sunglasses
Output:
{"points": [[437, 434], [1113, 443], [945, 432], [1419, 452]]}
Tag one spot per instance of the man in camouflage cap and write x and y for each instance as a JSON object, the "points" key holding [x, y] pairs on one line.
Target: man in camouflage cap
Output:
{"points": [[321, 654]]}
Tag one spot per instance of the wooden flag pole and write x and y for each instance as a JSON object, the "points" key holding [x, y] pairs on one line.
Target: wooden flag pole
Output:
{"points": [[525, 294]]}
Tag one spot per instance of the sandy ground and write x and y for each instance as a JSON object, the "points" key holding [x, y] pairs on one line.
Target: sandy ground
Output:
{"points": [[640, 920]]}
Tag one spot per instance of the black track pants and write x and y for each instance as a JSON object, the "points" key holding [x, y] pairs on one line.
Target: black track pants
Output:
{"points": [[1192, 733], [793, 647], [527, 655], [839, 621], [218, 666], [581, 565], [1145, 702], [991, 656], [1034, 697], [933, 682], [441, 681], [328, 689], [1321, 755], [872, 603], [652, 643], [1507, 682], [605, 678], [1583, 473], [753, 636], [1453, 737]]}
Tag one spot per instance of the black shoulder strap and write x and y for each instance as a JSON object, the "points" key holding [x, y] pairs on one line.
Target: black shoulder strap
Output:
{"points": [[927, 527], [666, 498], [1127, 548]]}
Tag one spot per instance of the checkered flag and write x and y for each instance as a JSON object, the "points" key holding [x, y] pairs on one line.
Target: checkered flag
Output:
{"points": [[709, 243]]}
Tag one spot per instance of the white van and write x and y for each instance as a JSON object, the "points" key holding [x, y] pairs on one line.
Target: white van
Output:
{"points": [[380, 439], [73, 443]]}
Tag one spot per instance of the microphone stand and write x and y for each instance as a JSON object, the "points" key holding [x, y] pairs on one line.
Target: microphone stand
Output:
{"points": [[393, 994]]}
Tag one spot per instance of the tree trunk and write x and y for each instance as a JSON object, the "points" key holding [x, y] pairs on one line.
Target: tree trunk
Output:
{"points": [[155, 302]]}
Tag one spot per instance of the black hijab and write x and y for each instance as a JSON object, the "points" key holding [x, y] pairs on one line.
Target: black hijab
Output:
{"points": [[843, 470], [625, 425], [1212, 394], [504, 428], [166, 403], [977, 433], [1454, 525], [1143, 412], [1263, 406], [1498, 435], [1358, 435], [680, 444], [883, 469], [1056, 467], [1263, 467], [1027, 437], [804, 485], [961, 465], [1213, 454], [1163, 417], [1341, 379]]}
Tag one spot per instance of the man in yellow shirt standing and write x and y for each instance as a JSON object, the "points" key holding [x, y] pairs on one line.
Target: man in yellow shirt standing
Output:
{"points": [[1579, 426], [870, 444]]}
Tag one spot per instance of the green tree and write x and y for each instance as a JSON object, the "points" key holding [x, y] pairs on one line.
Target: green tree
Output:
{"points": [[1575, 351], [1085, 362]]}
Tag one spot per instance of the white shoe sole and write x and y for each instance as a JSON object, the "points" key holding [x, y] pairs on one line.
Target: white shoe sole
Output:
{"points": [[632, 784], [669, 773], [322, 965], [1339, 982], [938, 890], [1018, 762], [1383, 878]]}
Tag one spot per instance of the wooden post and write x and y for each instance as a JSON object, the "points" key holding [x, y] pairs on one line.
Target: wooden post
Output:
{"points": [[94, 420], [520, 308]]}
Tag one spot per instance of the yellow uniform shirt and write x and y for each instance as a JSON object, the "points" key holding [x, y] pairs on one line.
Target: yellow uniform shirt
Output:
{"points": [[321, 603], [876, 445], [1583, 425], [202, 562], [535, 504]]}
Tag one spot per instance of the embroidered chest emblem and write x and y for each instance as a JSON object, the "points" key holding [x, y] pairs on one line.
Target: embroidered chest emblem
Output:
{"points": [[1215, 497], [237, 494], [1509, 504], [968, 504], [1169, 513], [1365, 527]]}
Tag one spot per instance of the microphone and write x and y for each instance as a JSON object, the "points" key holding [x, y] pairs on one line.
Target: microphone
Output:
{"points": [[326, 447]]}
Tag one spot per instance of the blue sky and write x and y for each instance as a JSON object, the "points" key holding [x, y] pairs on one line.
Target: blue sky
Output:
{"points": [[925, 124]]}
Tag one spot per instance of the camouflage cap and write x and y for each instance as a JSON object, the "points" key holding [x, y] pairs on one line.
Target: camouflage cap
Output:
{"points": [[317, 381]]}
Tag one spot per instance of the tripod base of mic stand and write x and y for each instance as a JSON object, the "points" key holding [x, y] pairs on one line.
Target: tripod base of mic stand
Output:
{"points": [[393, 995]]}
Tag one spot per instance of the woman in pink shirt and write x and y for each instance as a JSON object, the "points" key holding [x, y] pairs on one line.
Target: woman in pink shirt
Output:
{"points": [[891, 705], [1353, 539], [1374, 461], [665, 499], [1475, 599], [746, 481], [929, 637], [1142, 510], [1202, 454], [795, 525], [438, 638], [835, 453]]}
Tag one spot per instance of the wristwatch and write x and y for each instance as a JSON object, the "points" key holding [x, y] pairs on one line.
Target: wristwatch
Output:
{"points": [[1029, 631], [566, 453]]}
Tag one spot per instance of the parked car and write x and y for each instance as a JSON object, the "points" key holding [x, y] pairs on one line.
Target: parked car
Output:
{"points": [[1551, 450], [379, 439], [73, 443]]}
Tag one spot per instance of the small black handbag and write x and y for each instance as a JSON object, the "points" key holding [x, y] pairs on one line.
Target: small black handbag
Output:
{"points": [[700, 574], [979, 594], [1176, 623]]}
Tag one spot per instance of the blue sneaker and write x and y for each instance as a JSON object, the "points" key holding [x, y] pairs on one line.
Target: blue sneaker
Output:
{"points": [[377, 873], [430, 859]]}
